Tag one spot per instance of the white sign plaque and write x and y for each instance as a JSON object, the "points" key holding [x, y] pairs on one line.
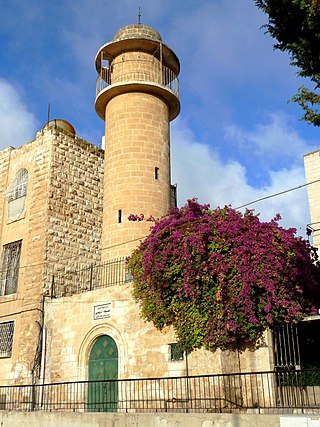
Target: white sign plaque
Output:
{"points": [[102, 311]]}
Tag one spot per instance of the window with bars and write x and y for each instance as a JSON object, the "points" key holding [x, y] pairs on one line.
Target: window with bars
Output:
{"points": [[6, 338], [175, 353], [10, 268], [3, 399], [296, 353]]}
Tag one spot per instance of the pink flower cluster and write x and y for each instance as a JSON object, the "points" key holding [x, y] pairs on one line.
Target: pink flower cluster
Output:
{"points": [[221, 277]]}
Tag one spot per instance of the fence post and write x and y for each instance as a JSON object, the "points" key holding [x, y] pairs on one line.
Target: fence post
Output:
{"points": [[187, 380], [32, 393]]}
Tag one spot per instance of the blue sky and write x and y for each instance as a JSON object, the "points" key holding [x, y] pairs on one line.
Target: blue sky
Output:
{"points": [[236, 139]]}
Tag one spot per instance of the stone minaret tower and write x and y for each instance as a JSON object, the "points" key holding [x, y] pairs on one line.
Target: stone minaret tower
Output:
{"points": [[137, 96]]}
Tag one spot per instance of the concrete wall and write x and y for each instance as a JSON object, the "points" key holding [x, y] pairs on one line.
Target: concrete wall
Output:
{"points": [[312, 170], [40, 419]]}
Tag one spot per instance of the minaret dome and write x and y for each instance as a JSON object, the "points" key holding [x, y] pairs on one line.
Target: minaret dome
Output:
{"points": [[139, 40]]}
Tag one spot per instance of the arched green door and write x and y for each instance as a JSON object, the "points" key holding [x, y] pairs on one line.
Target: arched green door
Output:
{"points": [[103, 365]]}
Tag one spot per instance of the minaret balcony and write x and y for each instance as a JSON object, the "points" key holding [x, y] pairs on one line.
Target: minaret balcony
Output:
{"points": [[138, 76]]}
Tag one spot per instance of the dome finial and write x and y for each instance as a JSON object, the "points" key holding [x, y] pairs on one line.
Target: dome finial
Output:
{"points": [[139, 16]]}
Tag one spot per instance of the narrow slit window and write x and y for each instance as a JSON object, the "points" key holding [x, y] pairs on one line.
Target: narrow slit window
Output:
{"points": [[119, 216], [156, 173]]}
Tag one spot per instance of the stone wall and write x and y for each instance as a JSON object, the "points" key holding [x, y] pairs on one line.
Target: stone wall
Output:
{"points": [[137, 135], [24, 307], [143, 351], [60, 230], [74, 220]]}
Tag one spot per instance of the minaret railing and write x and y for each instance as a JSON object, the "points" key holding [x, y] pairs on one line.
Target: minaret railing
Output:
{"points": [[165, 77]]}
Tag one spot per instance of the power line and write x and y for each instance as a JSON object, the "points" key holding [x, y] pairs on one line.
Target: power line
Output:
{"points": [[47, 263], [277, 194]]}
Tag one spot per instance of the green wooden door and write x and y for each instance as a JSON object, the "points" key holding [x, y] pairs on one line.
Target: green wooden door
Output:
{"points": [[103, 365]]}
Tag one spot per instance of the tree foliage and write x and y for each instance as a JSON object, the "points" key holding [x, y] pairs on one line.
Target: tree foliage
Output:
{"points": [[220, 277], [295, 24]]}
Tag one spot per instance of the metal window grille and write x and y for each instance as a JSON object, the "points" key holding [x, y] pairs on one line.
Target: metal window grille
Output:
{"points": [[10, 268], [286, 347], [3, 399], [175, 353], [6, 338], [128, 277]]}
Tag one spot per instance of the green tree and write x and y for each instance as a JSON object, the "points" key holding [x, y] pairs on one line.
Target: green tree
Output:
{"points": [[220, 277], [295, 24]]}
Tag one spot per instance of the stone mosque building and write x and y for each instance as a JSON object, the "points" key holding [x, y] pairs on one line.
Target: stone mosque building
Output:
{"points": [[66, 311]]}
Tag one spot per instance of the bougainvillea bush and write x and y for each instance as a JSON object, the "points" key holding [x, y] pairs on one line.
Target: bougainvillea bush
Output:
{"points": [[220, 277]]}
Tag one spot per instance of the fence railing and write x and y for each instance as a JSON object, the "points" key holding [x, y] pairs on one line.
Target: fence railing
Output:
{"points": [[261, 391], [110, 273]]}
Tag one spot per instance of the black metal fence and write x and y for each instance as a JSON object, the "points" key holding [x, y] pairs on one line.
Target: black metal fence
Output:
{"points": [[90, 278], [291, 391]]}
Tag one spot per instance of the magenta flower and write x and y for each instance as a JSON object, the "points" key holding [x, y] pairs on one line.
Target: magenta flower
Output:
{"points": [[220, 277]]}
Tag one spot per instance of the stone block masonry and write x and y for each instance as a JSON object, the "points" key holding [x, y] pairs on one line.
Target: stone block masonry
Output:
{"points": [[60, 230], [75, 205], [24, 306], [137, 134]]}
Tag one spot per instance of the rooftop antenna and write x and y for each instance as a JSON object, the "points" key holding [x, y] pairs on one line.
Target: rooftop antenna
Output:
{"points": [[139, 16], [48, 112]]}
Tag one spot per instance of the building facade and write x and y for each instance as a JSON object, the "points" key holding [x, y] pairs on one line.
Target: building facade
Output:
{"points": [[51, 216], [66, 308]]}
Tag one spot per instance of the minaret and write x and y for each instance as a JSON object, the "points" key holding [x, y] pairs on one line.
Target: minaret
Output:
{"points": [[137, 96]]}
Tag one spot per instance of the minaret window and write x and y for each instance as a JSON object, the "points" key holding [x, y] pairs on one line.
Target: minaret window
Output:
{"points": [[119, 216], [156, 173]]}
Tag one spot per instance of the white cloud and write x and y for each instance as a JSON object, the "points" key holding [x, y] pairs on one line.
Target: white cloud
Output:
{"points": [[275, 141], [17, 124], [200, 172]]}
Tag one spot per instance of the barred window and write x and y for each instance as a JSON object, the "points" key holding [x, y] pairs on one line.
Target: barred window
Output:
{"points": [[16, 195], [3, 399], [175, 353], [10, 268], [6, 338]]}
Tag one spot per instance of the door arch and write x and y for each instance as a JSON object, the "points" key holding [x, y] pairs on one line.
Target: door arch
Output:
{"points": [[103, 375]]}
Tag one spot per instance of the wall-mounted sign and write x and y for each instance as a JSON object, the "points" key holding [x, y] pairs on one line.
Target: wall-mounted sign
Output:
{"points": [[102, 311]]}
